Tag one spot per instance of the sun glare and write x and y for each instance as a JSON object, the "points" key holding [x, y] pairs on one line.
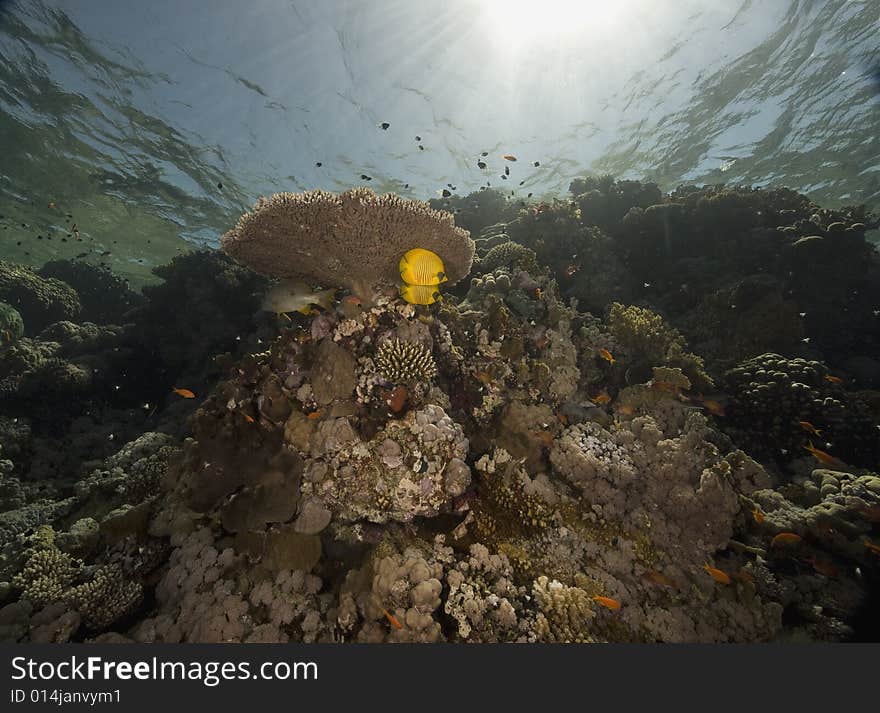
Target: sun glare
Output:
{"points": [[522, 20]]}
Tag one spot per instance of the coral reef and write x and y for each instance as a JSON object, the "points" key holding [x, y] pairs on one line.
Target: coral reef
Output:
{"points": [[204, 307], [39, 300], [778, 406], [11, 325], [633, 423], [652, 342], [413, 467], [478, 210], [105, 298]]}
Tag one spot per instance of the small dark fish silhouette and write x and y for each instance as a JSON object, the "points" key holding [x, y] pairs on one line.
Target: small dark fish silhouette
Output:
{"points": [[503, 178], [421, 148], [418, 138], [537, 163], [446, 193], [319, 164], [449, 185], [485, 153], [219, 185], [507, 170], [521, 182], [384, 126], [481, 164], [365, 177]]}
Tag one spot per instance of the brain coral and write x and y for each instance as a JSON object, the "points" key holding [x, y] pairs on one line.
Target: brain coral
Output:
{"points": [[354, 239]]}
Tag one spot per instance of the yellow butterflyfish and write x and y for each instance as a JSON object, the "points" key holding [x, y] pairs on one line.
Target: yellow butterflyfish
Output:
{"points": [[422, 267], [420, 294]]}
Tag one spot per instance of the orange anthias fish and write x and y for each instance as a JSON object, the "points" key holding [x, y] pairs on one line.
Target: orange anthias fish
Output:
{"points": [[186, 393], [545, 438], [248, 418], [822, 456], [716, 408], [509, 157], [602, 399], [660, 579], [626, 409], [871, 513], [833, 379], [539, 293], [607, 356], [666, 386], [744, 576], [871, 546], [785, 538], [717, 574], [810, 428], [392, 619], [821, 566], [314, 415], [758, 514], [608, 602]]}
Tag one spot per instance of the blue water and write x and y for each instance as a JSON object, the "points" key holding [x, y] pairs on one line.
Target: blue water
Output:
{"points": [[163, 121]]}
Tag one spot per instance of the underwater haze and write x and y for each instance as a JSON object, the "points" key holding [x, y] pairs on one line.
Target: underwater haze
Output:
{"points": [[131, 115], [465, 321]]}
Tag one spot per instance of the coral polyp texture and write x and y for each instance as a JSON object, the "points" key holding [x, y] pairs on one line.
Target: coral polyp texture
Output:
{"points": [[634, 422], [354, 239], [401, 362]]}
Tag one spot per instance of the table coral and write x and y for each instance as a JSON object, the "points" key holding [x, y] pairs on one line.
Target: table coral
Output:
{"points": [[354, 239]]}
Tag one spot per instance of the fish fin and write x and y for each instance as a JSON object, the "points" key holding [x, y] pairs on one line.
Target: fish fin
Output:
{"points": [[325, 298]]}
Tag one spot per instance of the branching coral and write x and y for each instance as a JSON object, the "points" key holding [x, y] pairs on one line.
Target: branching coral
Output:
{"points": [[402, 362], [649, 339], [50, 576]]}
